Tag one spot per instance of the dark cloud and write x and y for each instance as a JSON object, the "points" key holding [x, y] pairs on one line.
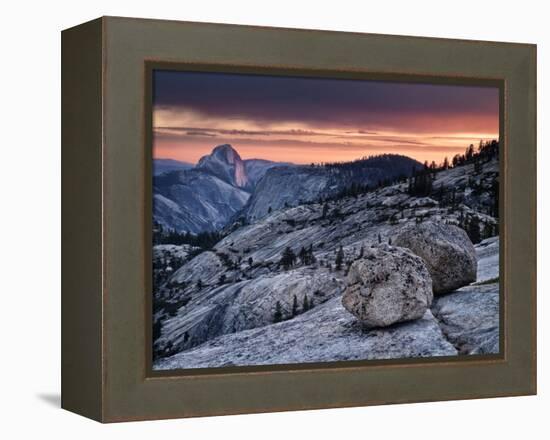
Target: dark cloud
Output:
{"points": [[366, 132], [369, 144], [200, 133], [322, 101], [218, 131]]}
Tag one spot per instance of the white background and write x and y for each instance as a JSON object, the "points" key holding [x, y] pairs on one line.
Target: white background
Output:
{"points": [[30, 219]]}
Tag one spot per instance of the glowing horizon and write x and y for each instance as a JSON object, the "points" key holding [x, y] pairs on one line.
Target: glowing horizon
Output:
{"points": [[305, 120]]}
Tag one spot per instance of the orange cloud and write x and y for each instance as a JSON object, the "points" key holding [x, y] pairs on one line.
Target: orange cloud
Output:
{"points": [[187, 135]]}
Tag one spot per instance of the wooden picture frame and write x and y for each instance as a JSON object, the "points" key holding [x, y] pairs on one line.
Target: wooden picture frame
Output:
{"points": [[106, 215]]}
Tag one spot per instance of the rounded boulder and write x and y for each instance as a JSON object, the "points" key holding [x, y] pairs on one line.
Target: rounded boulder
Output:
{"points": [[447, 251], [388, 285]]}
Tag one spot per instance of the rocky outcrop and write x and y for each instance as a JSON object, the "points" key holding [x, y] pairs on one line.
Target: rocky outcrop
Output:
{"points": [[286, 186], [195, 201], [386, 286], [488, 260], [256, 168], [447, 251], [469, 318], [169, 252], [206, 267], [328, 333], [225, 163], [234, 307]]}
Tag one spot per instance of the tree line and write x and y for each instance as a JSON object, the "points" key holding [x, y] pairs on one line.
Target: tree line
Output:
{"points": [[204, 240], [307, 304], [420, 180]]}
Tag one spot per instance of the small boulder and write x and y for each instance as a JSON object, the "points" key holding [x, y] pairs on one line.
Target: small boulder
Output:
{"points": [[447, 251], [386, 286]]}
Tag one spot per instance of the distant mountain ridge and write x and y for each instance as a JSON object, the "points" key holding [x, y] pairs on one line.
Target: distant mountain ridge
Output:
{"points": [[291, 186], [195, 201], [223, 186], [206, 196], [256, 168], [161, 166]]}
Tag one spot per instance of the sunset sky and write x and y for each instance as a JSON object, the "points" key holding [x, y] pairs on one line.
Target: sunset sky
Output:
{"points": [[304, 120]]}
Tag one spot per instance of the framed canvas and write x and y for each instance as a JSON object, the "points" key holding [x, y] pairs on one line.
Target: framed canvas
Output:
{"points": [[263, 219]]}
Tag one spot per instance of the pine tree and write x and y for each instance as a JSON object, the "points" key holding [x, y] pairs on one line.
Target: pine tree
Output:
{"points": [[478, 166], [294, 306], [474, 230], [288, 258], [325, 210], [469, 152], [278, 315], [453, 198], [303, 256], [433, 169], [311, 255], [305, 305], [199, 284], [339, 258], [420, 184], [306, 255], [440, 193]]}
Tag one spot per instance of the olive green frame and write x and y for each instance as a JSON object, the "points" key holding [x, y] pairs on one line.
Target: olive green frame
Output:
{"points": [[151, 66], [106, 247]]}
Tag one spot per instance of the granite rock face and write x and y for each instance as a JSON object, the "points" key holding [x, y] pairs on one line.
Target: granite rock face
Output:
{"points": [[206, 267], [469, 318], [488, 259], [447, 251], [225, 163], [234, 307], [386, 286], [195, 201], [326, 333], [286, 186]]}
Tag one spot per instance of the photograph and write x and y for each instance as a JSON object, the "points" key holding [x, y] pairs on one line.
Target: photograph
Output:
{"points": [[305, 220]]}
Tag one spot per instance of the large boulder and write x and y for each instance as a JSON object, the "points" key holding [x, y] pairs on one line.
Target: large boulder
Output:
{"points": [[447, 251], [386, 286]]}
